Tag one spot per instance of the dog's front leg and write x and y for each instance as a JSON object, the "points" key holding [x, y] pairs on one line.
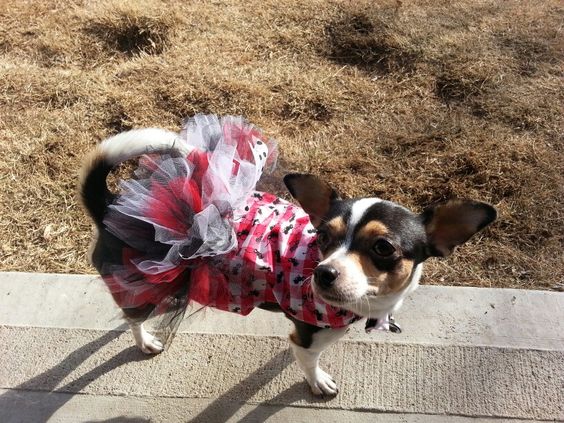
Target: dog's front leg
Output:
{"points": [[308, 342]]}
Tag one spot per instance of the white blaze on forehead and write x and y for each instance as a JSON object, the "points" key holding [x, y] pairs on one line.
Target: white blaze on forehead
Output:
{"points": [[358, 211]]}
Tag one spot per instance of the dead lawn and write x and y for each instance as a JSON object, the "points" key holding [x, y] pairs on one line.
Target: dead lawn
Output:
{"points": [[415, 101]]}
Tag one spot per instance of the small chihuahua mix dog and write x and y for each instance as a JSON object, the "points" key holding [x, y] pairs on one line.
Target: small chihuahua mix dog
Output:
{"points": [[364, 255]]}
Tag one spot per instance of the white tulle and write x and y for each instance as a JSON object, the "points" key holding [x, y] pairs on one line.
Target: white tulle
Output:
{"points": [[237, 154]]}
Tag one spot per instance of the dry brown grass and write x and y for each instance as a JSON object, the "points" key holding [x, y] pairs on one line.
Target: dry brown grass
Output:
{"points": [[415, 102]]}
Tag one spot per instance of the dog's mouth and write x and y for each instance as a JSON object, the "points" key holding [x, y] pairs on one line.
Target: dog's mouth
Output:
{"points": [[362, 306], [332, 296], [348, 299]]}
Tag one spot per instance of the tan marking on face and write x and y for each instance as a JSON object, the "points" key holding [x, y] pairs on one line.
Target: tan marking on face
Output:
{"points": [[375, 277], [386, 282], [372, 230], [336, 227], [398, 279]]}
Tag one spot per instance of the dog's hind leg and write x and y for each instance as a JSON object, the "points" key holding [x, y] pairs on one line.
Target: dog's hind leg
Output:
{"points": [[308, 342], [146, 342]]}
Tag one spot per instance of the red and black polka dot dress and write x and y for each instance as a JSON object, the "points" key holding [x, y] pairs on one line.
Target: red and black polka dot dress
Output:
{"points": [[195, 225]]}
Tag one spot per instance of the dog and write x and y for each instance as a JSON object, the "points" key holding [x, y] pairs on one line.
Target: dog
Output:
{"points": [[365, 254]]}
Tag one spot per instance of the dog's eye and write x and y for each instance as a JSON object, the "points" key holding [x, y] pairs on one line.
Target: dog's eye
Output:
{"points": [[383, 248]]}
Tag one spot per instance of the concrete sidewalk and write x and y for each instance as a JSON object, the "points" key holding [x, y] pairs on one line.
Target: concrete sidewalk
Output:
{"points": [[464, 353]]}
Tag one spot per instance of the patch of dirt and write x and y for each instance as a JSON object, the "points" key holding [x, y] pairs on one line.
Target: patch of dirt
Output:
{"points": [[452, 89], [300, 110], [529, 52], [118, 119], [361, 42], [130, 34]]}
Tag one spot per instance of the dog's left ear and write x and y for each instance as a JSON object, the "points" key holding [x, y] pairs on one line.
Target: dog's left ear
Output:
{"points": [[453, 223], [314, 195]]}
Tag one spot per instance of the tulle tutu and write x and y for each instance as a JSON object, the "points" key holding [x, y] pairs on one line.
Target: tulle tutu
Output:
{"points": [[178, 210], [189, 201], [197, 230]]}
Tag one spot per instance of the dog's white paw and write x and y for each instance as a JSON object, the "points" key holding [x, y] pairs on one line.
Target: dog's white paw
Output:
{"points": [[151, 345], [323, 384], [146, 342]]}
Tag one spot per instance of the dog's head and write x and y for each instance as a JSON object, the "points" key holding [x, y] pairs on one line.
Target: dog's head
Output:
{"points": [[372, 249]]}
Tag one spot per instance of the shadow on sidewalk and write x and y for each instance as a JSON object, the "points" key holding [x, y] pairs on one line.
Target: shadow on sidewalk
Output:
{"points": [[50, 379], [221, 409], [224, 407]]}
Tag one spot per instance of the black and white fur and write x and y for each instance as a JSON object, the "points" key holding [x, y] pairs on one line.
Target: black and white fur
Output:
{"points": [[372, 249]]}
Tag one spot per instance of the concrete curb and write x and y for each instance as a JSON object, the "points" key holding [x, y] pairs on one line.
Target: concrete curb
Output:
{"points": [[65, 407], [465, 353], [431, 315]]}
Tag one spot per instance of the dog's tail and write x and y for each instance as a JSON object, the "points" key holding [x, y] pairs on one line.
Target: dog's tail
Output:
{"points": [[93, 189]]}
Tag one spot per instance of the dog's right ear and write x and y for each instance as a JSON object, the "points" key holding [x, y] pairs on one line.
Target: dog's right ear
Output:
{"points": [[453, 223], [314, 195]]}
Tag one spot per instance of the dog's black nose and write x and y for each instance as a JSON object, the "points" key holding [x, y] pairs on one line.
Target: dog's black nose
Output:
{"points": [[325, 275]]}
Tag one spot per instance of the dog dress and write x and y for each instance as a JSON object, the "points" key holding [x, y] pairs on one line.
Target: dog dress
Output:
{"points": [[196, 230]]}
